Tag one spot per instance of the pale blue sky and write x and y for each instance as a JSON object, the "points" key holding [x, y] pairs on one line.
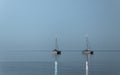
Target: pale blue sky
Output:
{"points": [[33, 24]]}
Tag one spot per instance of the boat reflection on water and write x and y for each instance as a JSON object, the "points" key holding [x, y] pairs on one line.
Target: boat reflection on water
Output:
{"points": [[56, 52]]}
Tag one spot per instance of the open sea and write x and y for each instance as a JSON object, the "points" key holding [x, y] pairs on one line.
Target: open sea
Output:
{"points": [[36, 62]]}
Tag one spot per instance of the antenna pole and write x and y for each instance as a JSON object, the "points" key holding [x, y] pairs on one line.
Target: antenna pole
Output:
{"points": [[56, 44], [87, 43]]}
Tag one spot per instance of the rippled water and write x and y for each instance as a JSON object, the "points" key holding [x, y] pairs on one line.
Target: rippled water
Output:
{"points": [[69, 63]]}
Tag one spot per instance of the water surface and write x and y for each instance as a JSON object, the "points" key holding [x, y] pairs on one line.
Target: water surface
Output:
{"points": [[69, 63]]}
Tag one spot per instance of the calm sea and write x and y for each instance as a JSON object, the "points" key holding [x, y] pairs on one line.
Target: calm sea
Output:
{"points": [[37, 62]]}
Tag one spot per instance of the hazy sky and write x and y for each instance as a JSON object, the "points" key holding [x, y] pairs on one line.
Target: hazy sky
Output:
{"points": [[33, 24]]}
